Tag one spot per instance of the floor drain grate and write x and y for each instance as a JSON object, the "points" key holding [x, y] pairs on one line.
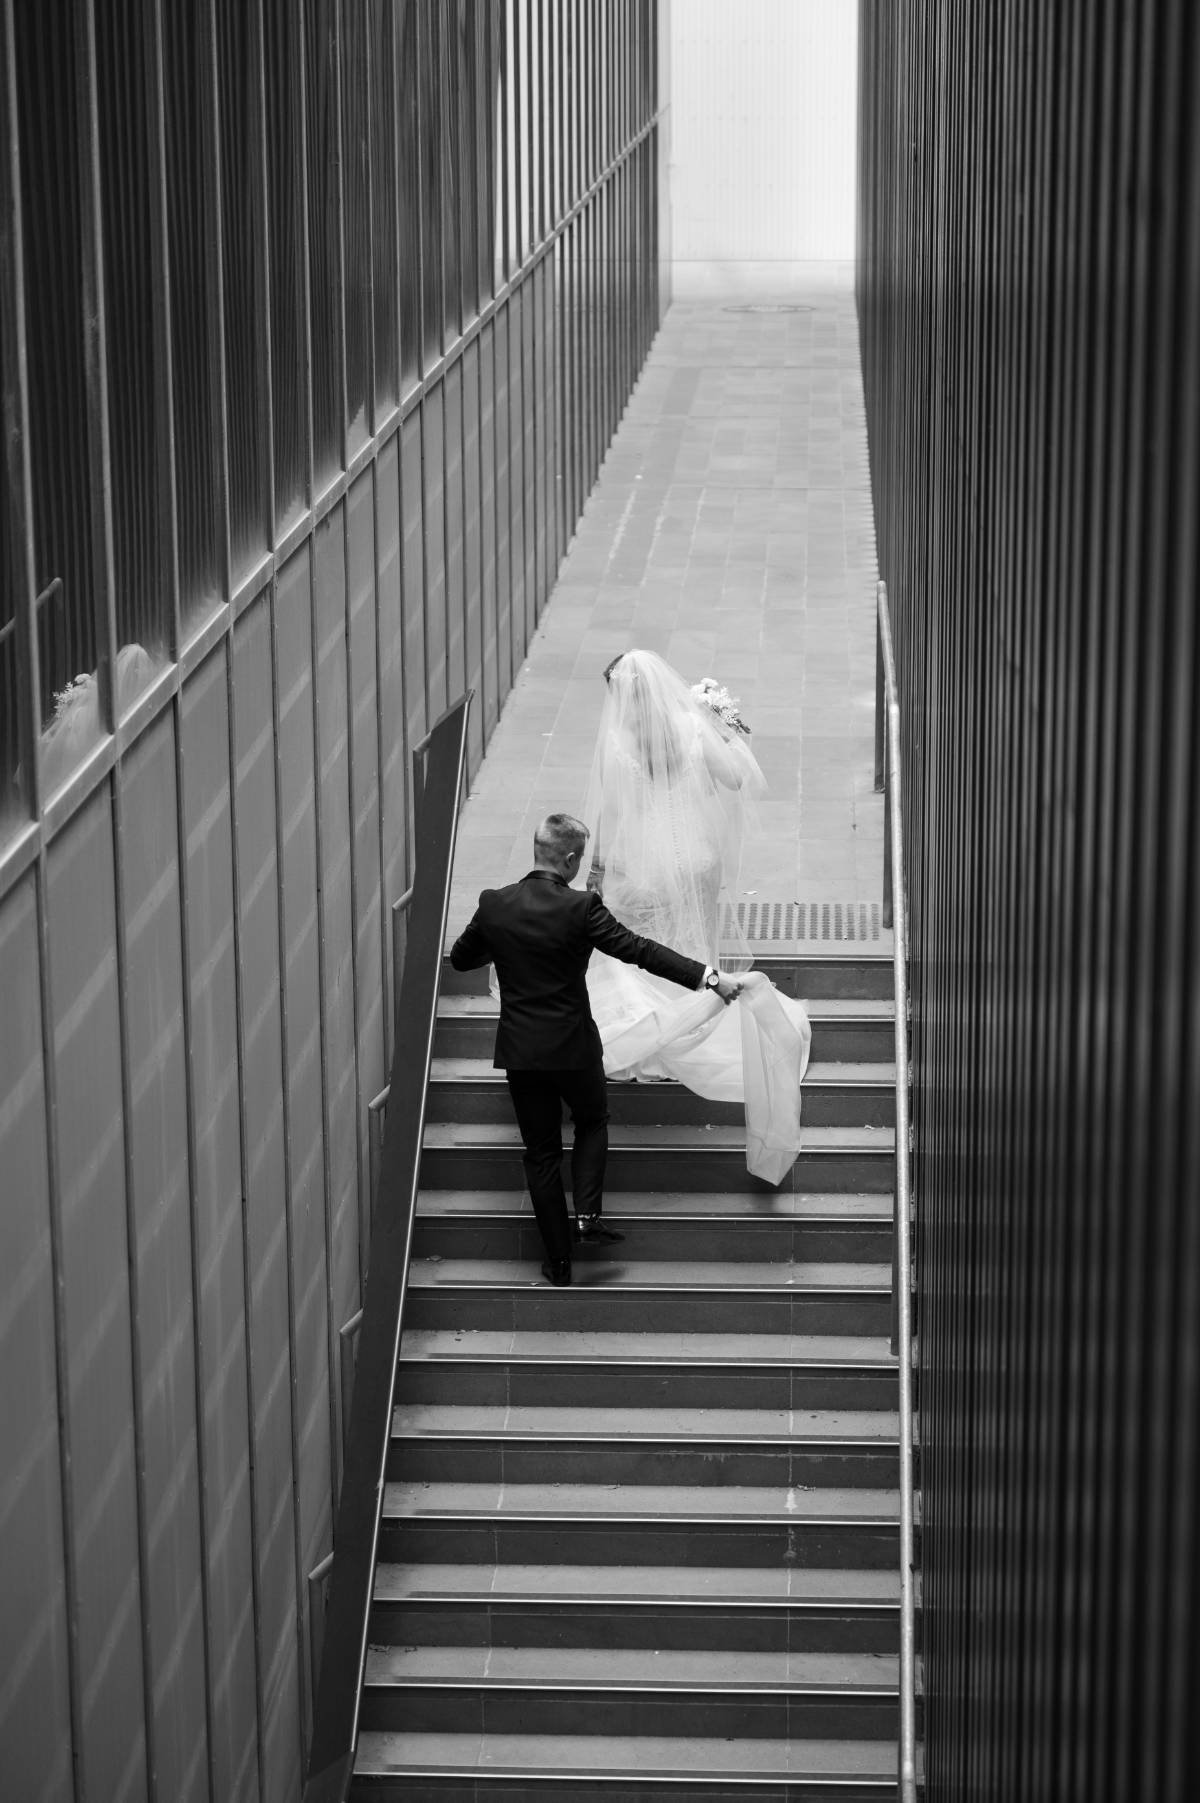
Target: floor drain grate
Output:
{"points": [[814, 921]]}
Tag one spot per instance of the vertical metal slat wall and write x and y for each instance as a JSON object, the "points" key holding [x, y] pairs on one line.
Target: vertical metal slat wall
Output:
{"points": [[1029, 294], [316, 317]]}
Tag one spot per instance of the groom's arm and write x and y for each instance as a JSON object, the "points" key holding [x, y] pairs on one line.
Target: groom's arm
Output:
{"points": [[608, 935], [471, 949]]}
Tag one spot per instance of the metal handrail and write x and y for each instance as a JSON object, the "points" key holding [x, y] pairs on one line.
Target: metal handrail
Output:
{"points": [[895, 904], [360, 1505]]}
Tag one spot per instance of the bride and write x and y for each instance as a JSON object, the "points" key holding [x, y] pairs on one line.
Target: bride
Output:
{"points": [[671, 789]]}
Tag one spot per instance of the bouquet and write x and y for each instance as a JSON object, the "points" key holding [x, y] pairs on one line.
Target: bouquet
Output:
{"points": [[717, 699]]}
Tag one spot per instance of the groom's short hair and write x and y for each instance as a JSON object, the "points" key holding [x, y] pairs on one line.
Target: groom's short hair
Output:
{"points": [[558, 836]]}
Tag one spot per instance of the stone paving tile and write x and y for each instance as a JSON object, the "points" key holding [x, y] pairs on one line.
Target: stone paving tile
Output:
{"points": [[731, 530]]}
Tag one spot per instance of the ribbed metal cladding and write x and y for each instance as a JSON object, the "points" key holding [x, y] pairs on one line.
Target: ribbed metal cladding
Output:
{"points": [[316, 320], [1029, 235]]}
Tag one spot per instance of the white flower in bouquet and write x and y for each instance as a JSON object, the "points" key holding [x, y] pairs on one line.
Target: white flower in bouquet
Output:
{"points": [[714, 696]]}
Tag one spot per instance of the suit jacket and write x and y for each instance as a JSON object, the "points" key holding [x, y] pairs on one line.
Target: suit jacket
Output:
{"points": [[540, 933]]}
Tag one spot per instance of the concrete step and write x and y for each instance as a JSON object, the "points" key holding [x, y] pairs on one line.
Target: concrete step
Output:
{"points": [[697, 1525], [630, 1692], [845, 1095], [733, 1239], [462, 1155], [648, 1607], [482, 1443], [857, 1030], [461, 1368], [612, 1294], [432, 1768], [839, 973]]}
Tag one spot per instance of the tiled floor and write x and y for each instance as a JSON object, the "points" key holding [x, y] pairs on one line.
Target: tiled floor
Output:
{"points": [[732, 531]]}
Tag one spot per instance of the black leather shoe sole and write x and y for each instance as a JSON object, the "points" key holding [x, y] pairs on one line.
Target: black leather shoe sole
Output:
{"points": [[557, 1271]]}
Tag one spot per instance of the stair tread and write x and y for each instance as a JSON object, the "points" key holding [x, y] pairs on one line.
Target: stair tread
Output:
{"points": [[631, 1424], [603, 1270], [482, 1070], [635, 1756], [766, 1205], [629, 1668], [670, 1137], [660, 1585], [569, 1346], [475, 1007], [743, 1502]]}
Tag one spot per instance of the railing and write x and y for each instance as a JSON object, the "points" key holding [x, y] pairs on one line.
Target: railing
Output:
{"points": [[356, 1532], [887, 778]]}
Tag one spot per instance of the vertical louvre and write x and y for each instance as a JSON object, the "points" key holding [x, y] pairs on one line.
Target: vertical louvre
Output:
{"points": [[323, 149], [358, 257], [143, 603], [1029, 184], [46, 53], [282, 62], [242, 238], [243, 246]]}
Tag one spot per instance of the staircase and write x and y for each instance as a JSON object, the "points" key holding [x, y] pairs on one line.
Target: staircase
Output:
{"points": [[640, 1535]]}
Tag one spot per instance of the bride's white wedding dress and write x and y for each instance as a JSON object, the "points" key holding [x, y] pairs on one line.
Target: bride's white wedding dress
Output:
{"points": [[667, 807]]}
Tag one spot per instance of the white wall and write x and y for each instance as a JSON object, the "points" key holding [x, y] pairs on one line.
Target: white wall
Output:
{"points": [[763, 98]]}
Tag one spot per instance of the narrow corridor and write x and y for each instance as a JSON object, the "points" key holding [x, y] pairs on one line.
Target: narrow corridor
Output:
{"points": [[731, 530]]}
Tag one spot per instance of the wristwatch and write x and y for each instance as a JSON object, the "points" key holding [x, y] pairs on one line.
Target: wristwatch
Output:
{"points": [[712, 978]]}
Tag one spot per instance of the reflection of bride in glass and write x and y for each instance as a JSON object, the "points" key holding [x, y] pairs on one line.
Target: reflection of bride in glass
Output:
{"points": [[671, 790]]}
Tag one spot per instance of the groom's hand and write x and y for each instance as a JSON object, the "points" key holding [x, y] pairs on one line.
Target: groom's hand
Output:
{"points": [[729, 989]]}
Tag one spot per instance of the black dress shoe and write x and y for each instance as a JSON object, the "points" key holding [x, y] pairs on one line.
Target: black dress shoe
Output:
{"points": [[557, 1271], [593, 1231]]}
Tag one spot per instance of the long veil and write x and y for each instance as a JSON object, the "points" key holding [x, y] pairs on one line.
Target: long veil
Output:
{"points": [[668, 800]]}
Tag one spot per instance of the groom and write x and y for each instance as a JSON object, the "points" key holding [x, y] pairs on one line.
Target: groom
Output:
{"points": [[540, 933]]}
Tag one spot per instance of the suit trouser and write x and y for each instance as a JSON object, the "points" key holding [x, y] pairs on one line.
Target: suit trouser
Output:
{"points": [[537, 1098]]}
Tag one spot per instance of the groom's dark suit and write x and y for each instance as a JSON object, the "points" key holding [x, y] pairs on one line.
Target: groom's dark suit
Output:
{"points": [[540, 933]]}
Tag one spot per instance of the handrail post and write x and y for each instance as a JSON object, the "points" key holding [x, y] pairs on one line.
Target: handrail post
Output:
{"points": [[895, 907]]}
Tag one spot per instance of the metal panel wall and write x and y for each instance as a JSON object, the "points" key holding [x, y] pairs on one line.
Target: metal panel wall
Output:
{"points": [[315, 320], [1029, 293]]}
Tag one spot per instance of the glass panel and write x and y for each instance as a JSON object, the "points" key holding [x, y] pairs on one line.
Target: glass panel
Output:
{"points": [[467, 84], [455, 608], [512, 193], [241, 247], [356, 203], [499, 169], [485, 153], [433, 469], [289, 344], [503, 503], [516, 478], [14, 792], [448, 139], [430, 115], [188, 102], [472, 609], [142, 596], [407, 91], [383, 205], [47, 85], [416, 712], [489, 701], [323, 231]]}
